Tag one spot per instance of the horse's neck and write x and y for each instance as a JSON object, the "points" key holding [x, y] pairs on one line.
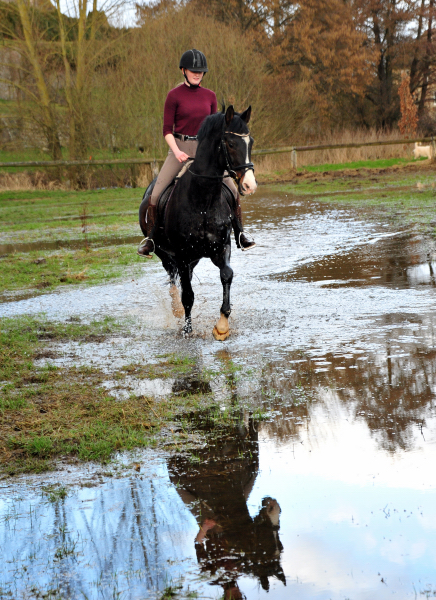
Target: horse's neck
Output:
{"points": [[207, 159], [206, 180]]}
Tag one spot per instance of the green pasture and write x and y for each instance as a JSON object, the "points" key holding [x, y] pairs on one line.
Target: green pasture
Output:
{"points": [[90, 237], [381, 163], [105, 211], [88, 228], [49, 412], [403, 198]]}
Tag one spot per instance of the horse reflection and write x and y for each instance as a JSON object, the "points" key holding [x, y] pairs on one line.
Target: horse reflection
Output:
{"points": [[230, 543]]}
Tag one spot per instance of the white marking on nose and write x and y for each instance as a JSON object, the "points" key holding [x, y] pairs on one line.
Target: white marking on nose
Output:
{"points": [[249, 182], [247, 141]]}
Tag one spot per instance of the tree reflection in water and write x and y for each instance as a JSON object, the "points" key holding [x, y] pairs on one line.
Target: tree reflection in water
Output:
{"points": [[391, 391], [230, 543]]}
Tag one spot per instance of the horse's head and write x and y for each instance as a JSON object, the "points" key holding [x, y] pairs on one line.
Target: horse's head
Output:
{"points": [[237, 144]]}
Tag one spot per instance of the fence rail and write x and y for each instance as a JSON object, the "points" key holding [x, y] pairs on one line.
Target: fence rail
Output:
{"points": [[153, 161], [81, 163]]}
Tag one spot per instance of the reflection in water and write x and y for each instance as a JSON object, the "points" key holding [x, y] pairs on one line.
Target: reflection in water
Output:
{"points": [[230, 542], [402, 261], [122, 538], [393, 393]]}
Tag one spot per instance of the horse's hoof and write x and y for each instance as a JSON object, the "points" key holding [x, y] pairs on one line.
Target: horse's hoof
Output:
{"points": [[187, 329], [221, 331], [220, 337]]}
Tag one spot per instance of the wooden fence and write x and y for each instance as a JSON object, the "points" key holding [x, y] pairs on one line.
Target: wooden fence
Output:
{"points": [[155, 162], [295, 149]]}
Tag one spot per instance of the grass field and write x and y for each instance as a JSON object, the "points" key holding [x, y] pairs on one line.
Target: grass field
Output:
{"points": [[382, 163], [404, 197], [47, 412], [61, 238], [87, 228]]}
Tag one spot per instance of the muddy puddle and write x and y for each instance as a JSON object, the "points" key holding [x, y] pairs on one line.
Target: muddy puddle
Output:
{"points": [[74, 244], [326, 490]]}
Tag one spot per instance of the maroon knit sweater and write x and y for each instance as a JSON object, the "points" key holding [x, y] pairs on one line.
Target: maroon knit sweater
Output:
{"points": [[186, 108]]}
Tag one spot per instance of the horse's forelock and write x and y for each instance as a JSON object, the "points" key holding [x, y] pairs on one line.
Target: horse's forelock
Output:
{"points": [[212, 126], [237, 125]]}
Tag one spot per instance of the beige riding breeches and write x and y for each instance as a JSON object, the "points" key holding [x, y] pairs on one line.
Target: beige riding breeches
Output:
{"points": [[172, 166]]}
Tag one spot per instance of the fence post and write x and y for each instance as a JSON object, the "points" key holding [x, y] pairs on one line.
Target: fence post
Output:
{"points": [[294, 159], [432, 148]]}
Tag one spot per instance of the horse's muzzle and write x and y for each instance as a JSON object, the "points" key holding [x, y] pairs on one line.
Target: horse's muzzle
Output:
{"points": [[247, 184]]}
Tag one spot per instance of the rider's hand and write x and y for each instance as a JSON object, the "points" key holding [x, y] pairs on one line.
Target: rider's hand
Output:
{"points": [[181, 156]]}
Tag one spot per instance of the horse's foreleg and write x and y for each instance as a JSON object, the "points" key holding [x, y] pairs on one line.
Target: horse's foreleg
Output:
{"points": [[185, 273], [221, 331]]}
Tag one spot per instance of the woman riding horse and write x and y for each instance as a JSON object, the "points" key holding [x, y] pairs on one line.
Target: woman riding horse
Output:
{"points": [[186, 106], [196, 221]]}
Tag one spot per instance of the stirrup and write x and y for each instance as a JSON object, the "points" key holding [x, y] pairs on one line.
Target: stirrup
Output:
{"points": [[252, 245], [142, 243]]}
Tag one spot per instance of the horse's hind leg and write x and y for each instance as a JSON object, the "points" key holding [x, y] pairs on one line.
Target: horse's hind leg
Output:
{"points": [[185, 272], [171, 268], [221, 331]]}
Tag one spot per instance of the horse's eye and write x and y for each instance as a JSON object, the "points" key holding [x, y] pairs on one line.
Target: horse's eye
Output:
{"points": [[230, 144]]}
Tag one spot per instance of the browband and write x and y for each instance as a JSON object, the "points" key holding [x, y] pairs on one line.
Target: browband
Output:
{"points": [[240, 134]]}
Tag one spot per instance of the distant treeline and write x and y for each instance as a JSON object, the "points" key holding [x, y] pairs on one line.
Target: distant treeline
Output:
{"points": [[306, 67]]}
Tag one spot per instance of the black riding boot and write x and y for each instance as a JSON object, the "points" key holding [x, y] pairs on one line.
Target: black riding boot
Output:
{"points": [[241, 240], [146, 247]]}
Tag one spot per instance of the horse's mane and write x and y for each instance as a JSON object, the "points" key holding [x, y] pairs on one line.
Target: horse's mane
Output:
{"points": [[213, 126]]}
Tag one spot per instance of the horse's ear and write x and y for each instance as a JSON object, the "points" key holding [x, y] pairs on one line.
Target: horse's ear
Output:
{"points": [[246, 114], [223, 107], [230, 113]]}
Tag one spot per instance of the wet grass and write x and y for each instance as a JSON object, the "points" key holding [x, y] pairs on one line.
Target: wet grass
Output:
{"points": [[404, 198], [88, 220], [45, 271], [47, 413], [55, 493], [360, 164], [36, 210]]}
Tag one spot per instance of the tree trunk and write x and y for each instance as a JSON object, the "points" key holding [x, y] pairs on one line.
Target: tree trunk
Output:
{"points": [[427, 59], [50, 126]]}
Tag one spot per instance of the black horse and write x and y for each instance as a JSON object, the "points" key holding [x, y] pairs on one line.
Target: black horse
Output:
{"points": [[196, 221]]}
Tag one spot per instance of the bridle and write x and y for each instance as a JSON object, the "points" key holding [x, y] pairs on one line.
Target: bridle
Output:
{"points": [[231, 169]]}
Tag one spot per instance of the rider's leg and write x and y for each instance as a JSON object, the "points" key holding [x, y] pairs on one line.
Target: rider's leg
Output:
{"points": [[169, 170], [240, 238]]}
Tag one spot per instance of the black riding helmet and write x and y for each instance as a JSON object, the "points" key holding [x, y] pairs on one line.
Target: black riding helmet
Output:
{"points": [[194, 61]]}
